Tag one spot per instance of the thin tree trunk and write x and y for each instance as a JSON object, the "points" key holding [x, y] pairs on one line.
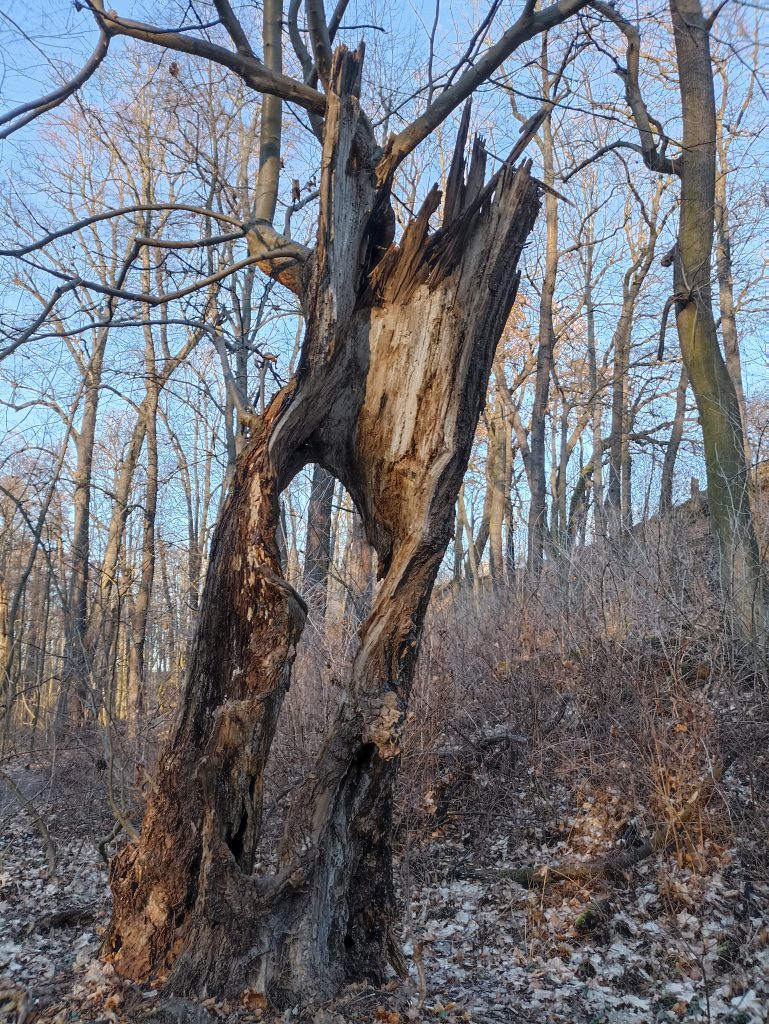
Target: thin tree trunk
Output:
{"points": [[725, 276], [626, 471], [141, 603], [618, 431], [317, 554], [76, 663], [596, 397], [499, 441], [4, 638], [464, 523], [538, 506], [459, 539], [559, 528], [360, 573], [674, 443], [482, 533], [578, 506]]}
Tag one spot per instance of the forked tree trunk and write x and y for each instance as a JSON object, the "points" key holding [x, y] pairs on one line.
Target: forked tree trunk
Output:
{"points": [[390, 386], [74, 704]]}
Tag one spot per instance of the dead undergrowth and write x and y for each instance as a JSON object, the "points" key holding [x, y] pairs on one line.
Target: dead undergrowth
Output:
{"points": [[601, 723]]}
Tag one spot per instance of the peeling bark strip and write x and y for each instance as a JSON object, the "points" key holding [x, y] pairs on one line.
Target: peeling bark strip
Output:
{"points": [[396, 359]]}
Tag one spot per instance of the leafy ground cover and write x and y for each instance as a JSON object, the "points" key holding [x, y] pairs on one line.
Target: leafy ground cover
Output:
{"points": [[681, 936]]}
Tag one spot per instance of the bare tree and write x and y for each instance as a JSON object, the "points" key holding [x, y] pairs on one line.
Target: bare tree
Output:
{"points": [[712, 385], [397, 352]]}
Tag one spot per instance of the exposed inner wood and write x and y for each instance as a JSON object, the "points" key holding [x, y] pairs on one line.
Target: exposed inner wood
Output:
{"points": [[392, 379]]}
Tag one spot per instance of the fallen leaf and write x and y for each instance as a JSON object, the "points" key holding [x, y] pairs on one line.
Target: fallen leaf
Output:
{"points": [[254, 1000], [387, 1016]]}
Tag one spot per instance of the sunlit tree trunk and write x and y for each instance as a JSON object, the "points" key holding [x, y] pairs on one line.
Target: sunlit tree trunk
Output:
{"points": [[396, 359], [725, 277], [498, 484], [711, 382]]}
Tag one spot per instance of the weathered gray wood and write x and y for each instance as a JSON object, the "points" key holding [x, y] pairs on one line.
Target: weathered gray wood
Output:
{"points": [[392, 379]]}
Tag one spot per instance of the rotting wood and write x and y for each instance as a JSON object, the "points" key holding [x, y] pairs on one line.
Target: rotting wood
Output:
{"points": [[391, 382]]}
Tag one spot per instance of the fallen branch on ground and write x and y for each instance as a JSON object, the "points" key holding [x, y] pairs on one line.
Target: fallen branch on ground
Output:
{"points": [[29, 807], [63, 918], [609, 867]]}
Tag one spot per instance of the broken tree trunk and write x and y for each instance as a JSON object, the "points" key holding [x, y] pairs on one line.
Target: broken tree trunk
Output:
{"points": [[391, 382]]}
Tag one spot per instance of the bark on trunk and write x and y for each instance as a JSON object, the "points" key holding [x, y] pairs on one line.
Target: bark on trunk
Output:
{"points": [[712, 385], [317, 555], [538, 527], [619, 424], [596, 396], [141, 604], [500, 484], [359, 580], [76, 675], [387, 396], [726, 289], [671, 452]]}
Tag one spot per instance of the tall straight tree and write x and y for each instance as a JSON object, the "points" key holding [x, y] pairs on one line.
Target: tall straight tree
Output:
{"points": [[692, 299]]}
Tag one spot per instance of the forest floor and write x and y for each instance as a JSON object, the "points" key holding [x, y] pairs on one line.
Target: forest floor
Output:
{"points": [[681, 936]]}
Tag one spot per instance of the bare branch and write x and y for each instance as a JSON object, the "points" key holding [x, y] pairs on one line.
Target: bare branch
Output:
{"points": [[669, 303], [234, 28], [319, 36], [295, 208], [653, 155], [158, 300], [297, 42], [711, 20], [598, 154], [86, 222], [26, 334], [336, 20], [246, 412], [476, 41], [528, 25], [189, 243], [251, 70], [20, 116]]}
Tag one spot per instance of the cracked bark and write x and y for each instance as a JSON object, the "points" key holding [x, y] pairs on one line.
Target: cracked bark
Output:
{"points": [[391, 382]]}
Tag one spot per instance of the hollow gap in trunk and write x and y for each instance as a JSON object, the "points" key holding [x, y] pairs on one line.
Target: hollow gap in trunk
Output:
{"points": [[322, 671]]}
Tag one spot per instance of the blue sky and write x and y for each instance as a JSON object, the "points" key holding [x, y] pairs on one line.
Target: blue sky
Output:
{"points": [[59, 37]]}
